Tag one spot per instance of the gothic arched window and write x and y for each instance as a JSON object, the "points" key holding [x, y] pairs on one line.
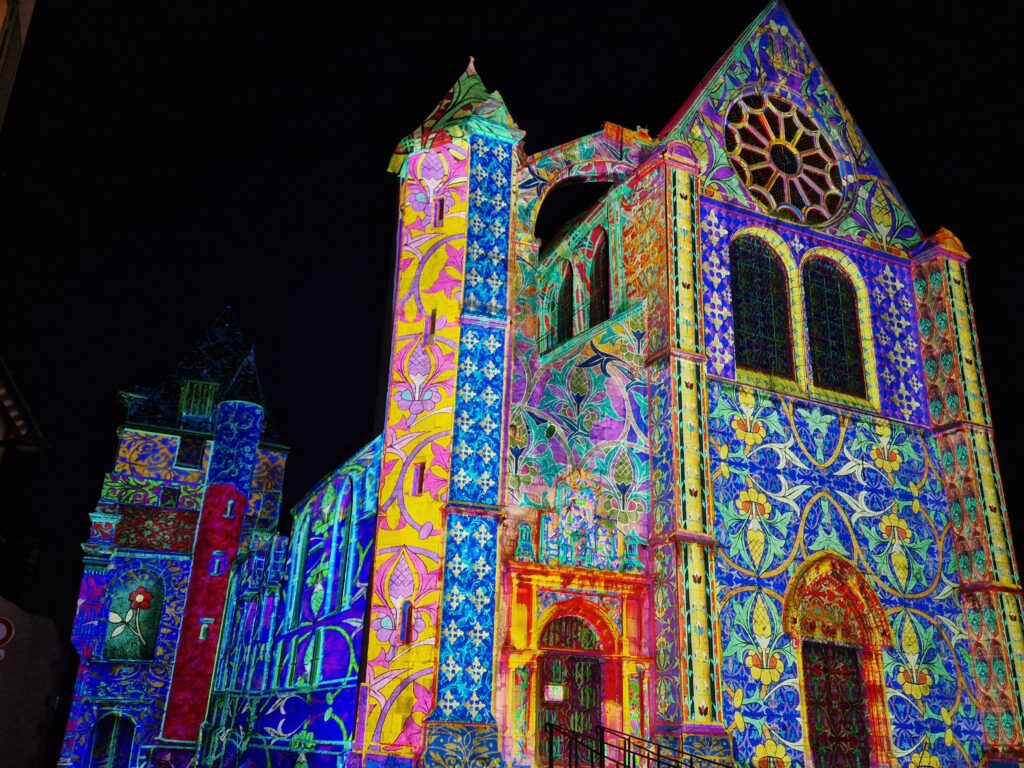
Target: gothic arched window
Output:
{"points": [[564, 309], [760, 307], [346, 544], [112, 739], [300, 548], [600, 280], [833, 327]]}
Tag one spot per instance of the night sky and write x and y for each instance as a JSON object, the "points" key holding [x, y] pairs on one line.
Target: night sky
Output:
{"points": [[159, 162]]}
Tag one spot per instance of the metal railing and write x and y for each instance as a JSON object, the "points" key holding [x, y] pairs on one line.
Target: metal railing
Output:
{"points": [[608, 748]]}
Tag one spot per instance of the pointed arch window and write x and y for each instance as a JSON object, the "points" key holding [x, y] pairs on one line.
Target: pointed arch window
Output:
{"points": [[298, 575], [833, 327], [564, 309], [346, 544], [112, 739], [600, 280], [760, 306]]}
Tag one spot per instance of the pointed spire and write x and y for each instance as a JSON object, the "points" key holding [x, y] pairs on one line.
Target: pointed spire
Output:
{"points": [[245, 384], [221, 357], [467, 98]]}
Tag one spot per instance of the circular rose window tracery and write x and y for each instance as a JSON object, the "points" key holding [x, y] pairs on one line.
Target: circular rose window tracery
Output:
{"points": [[783, 158]]}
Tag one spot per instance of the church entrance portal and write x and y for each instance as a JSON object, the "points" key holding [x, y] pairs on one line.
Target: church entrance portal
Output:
{"points": [[571, 679]]}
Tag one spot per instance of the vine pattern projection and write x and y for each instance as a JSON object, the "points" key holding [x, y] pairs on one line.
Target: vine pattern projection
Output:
{"points": [[793, 479]]}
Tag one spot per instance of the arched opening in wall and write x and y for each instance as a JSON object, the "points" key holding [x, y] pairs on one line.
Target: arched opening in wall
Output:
{"points": [[565, 205], [833, 327], [600, 278], [760, 308], [839, 628], [344, 546], [565, 309], [112, 738], [571, 684]]}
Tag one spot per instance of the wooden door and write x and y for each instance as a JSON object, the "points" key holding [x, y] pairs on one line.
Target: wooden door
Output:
{"points": [[836, 706]]}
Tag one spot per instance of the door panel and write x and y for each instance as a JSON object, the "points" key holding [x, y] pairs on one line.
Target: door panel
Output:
{"points": [[836, 706], [571, 696]]}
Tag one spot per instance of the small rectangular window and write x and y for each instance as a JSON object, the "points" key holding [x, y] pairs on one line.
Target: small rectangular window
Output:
{"points": [[197, 401], [229, 510], [170, 496], [418, 471], [218, 563], [204, 628], [430, 328], [439, 212], [190, 452]]}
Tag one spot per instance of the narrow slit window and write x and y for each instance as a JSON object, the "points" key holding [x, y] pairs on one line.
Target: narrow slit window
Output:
{"points": [[600, 282], [760, 307], [229, 509], [418, 472], [439, 212], [833, 327], [405, 631], [430, 328], [218, 563], [564, 311], [204, 628]]}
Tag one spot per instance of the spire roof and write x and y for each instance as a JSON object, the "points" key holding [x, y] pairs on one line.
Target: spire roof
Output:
{"points": [[467, 99], [220, 357]]}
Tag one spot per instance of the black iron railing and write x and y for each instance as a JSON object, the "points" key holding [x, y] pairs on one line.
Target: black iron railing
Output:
{"points": [[608, 748]]}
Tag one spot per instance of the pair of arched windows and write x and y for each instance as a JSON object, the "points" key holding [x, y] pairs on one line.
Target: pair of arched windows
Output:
{"points": [[598, 308], [763, 317]]}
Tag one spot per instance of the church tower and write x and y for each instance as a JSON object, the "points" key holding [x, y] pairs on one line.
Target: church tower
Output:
{"points": [[197, 479], [430, 684]]}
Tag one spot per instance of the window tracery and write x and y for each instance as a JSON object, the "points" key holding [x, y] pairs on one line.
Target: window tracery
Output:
{"points": [[782, 156], [833, 327], [761, 309], [600, 280]]}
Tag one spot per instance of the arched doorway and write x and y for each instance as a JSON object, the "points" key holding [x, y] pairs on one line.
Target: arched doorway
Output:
{"points": [[839, 629], [112, 738], [571, 681]]}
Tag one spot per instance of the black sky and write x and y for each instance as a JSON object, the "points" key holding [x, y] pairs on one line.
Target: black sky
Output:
{"points": [[160, 161]]}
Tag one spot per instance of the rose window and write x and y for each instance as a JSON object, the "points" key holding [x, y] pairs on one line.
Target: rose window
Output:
{"points": [[783, 158]]}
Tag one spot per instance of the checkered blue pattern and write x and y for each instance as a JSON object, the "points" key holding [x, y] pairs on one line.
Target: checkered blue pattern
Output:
{"points": [[466, 661], [476, 445]]}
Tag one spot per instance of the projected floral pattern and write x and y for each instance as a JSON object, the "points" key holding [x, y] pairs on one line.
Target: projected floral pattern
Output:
{"points": [[871, 492]]}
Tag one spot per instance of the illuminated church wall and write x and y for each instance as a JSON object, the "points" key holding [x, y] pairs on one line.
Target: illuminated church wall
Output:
{"points": [[288, 678], [713, 468]]}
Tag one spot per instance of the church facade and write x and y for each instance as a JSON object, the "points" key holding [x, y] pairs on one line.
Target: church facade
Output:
{"points": [[712, 473]]}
